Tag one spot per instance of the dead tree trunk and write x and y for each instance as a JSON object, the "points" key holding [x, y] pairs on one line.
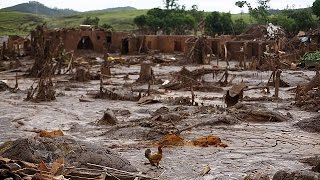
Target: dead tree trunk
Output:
{"points": [[105, 71], [44, 91], [40, 58], [3, 51], [277, 83], [146, 73]]}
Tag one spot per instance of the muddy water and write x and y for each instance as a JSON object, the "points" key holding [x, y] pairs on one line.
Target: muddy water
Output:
{"points": [[265, 147]]}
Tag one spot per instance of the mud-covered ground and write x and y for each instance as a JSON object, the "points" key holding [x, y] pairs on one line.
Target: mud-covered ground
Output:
{"points": [[252, 146]]}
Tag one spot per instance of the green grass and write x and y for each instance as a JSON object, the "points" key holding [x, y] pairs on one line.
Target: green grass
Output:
{"points": [[245, 17], [18, 23], [21, 23], [120, 20]]}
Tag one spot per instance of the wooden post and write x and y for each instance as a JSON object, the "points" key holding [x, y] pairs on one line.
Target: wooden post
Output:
{"points": [[277, 84], [218, 52], [192, 95]]}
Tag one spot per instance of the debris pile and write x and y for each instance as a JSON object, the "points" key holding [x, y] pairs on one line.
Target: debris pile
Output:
{"points": [[73, 157], [308, 96]]}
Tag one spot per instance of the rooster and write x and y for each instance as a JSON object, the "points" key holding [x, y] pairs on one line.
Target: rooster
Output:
{"points": [[155, 158]]}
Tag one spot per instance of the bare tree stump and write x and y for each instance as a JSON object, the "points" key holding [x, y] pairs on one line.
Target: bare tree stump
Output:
{"points": [[105, 71], [81, 74], [146, 73]]}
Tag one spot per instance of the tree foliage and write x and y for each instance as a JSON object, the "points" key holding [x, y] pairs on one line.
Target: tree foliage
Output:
{"points": [[316, 8], [303, 19], [91, 21], [285, 22], [259, 13], [239, 26], [170, 4], [170, 21], [219, 23]]}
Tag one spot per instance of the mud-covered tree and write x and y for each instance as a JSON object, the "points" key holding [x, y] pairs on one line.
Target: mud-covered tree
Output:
{"points": [[316, 8], [219, 23]]}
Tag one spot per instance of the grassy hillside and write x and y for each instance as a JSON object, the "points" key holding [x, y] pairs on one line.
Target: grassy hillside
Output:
{"points": [[120, 20], [18, 23], [21, 23], [38, 8]]}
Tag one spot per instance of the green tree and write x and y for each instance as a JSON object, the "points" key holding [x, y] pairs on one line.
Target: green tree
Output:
{"points": [[170, 4], [287, 23], [106, 26], [303, 19], [197, 15], [239, 26], [316, 8], [241, 4], [217, 23], [178, 23], [259, 13], [140, 21], [171, 21], [91, 21]]}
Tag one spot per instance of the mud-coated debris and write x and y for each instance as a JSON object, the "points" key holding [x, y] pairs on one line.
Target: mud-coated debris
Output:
{"points": [[257, 176], [85, 99], [162, 110], [147, 100], [3, 86], [81, 74], [296, 175], [316, 168], [209, 141], [310, 124], [171, 140], [108, 118], [171, 117], [234, 94], [51, 134], [75, 153], [206, 169]]}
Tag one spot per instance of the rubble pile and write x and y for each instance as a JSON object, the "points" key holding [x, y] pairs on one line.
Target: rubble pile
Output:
{"points": [[28, 157]]}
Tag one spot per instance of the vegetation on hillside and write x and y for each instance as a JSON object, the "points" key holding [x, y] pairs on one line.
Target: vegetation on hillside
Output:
{"points": [[18, 23], [175, 19], [35, 7]]}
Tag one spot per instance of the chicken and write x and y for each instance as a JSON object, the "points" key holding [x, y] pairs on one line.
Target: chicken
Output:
{"points": [[155, 158]]}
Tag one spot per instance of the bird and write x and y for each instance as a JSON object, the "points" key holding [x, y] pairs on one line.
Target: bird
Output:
{"points": [[155, 158]]}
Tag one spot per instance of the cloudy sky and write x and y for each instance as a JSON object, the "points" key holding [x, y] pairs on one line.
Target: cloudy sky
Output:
{"points": [[207, 5]]}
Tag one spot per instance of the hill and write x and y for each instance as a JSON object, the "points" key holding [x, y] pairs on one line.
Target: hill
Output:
{"points": [[17, 23], [125, 8], [120, 20], [35, 7]]}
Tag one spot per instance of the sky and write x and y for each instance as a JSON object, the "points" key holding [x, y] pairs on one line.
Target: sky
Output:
{"points": [[206, 5]]}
